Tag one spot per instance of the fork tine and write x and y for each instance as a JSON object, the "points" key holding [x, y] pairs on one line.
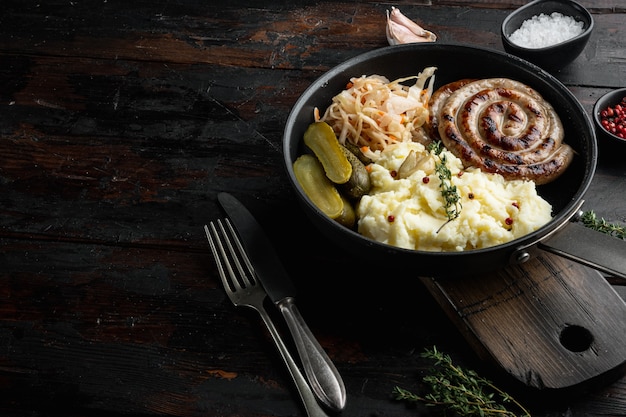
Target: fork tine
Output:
{"points": [[221, 259], [227, 256], [248, 278]]}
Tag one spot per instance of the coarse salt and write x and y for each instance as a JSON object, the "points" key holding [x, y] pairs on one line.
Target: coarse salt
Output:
{"points": [[545, 30]]}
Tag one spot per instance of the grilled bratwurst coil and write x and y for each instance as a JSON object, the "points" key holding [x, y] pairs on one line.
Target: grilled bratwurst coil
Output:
{"points": [[437, 100], [504, 126]]}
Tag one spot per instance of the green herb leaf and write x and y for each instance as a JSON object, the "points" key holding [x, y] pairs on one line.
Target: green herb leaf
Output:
{"points": [[449, 192], [590, 220], [461, 391]]}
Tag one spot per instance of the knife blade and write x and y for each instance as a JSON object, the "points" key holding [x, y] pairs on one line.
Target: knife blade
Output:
{"points": [[325, 380]]}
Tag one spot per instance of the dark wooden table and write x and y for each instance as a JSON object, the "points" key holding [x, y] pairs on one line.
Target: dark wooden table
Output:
{"points": [[120, 121]]}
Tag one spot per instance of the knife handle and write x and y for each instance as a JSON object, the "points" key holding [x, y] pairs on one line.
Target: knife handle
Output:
{"points": [[312, 407], [324, 378]]}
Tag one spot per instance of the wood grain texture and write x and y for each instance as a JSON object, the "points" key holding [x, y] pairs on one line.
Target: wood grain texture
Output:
{"points": [[120, 121], [550, 323]]}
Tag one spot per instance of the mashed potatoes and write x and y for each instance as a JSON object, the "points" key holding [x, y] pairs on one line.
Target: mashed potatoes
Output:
{"points": [[410, 212]]}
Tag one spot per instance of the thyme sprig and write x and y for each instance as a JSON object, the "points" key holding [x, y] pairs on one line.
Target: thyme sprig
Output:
{"points": [[590, 220], [460, 391], [449, 192]]}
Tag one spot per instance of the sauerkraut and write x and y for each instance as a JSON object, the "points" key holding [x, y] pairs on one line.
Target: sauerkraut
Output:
{"points": [[373, 112]]}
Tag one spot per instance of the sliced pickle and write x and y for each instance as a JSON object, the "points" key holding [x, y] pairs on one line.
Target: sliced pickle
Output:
{"points": [[348, 215], [357, 152], [359, 183], [321, 139], [316, 185]]}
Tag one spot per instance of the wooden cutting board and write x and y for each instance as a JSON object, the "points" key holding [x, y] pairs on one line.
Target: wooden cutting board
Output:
{"points": [[550, 323]]}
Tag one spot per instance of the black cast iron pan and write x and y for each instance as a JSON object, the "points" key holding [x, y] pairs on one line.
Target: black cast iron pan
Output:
{"points": [[561, 235]]}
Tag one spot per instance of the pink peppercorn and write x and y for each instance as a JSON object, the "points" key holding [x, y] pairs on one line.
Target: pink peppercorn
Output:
{"points": [[613, 119]]}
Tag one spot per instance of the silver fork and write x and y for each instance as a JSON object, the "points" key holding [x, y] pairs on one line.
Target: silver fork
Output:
{"points": [[244, 289]]}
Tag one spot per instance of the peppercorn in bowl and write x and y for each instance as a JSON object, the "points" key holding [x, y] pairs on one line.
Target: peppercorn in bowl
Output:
{"points": [[609, 115], [548, 33]]}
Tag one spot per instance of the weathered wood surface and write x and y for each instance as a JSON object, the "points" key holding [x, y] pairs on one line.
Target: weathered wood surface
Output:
{"points": [[551, 323], [119, 123]]}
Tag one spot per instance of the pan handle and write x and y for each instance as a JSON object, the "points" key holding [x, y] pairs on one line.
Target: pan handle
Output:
{"points": [[589, 247]]}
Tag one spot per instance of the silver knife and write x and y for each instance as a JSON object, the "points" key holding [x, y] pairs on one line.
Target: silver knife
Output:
{"points": [[321, 373]]}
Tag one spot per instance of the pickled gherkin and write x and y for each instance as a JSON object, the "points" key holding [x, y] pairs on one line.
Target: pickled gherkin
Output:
{"points": [[321, 139], [316, 185], [348, 214], [359, 183], [356, 151]]}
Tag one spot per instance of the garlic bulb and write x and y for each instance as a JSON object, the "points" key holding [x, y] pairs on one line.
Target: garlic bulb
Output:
{"points": [[401, 29]]}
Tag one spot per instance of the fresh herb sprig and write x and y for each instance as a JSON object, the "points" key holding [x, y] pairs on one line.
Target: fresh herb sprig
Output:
{"points": [[460, 391], [449, 192], [590, 220]]}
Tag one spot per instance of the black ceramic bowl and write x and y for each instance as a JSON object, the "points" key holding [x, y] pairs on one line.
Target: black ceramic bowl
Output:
{"points": [[609, 99], [453, 62], [552, 57]]}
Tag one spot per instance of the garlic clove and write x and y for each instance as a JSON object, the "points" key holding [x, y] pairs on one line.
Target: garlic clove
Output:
{"points": [[400, 29]]}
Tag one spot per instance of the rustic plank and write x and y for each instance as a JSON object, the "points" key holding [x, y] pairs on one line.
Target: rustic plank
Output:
{"points": [[120, 123], [153, 330], [252, 37], [551, 323]]}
